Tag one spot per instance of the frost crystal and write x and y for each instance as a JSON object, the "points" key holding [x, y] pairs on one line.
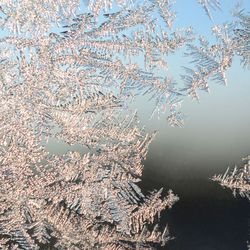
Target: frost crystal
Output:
{"points": [[72, 74], [207, 5], [238, 180], [75, 84], [211, 61]]}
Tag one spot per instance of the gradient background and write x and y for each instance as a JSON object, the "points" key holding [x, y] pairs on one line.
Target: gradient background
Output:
{"points": [[216, 135]]}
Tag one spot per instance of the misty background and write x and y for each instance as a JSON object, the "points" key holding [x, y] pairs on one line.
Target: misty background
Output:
{"points": [[215, 136]]}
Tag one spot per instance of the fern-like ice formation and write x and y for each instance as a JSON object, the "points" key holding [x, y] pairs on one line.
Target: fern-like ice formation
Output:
{"points": [[238, 180], [75, 84], [207, 5], [79, 202], [211, 61], [72, 75]]}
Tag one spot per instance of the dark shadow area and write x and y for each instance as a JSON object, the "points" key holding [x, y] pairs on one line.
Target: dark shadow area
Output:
{"points": [[207, 217]]}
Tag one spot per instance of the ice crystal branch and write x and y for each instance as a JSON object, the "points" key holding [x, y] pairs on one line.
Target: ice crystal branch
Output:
{"points": [[238, 180], [80, 202], [242, 37], [213, 60], [207, 5], [72, 75], [34, 18], [75, 84]]}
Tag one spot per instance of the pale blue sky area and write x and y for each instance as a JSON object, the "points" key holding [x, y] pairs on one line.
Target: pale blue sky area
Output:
{"points": [[216, 132]]}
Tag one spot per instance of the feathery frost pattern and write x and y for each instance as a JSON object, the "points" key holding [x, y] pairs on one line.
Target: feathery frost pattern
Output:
{"points": [[72, 74], [76, 84], [207, 5], [238, 180], [211, 61]]}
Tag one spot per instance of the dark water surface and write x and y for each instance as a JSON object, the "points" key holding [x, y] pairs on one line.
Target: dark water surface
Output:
{"points": [[207, 217]]}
